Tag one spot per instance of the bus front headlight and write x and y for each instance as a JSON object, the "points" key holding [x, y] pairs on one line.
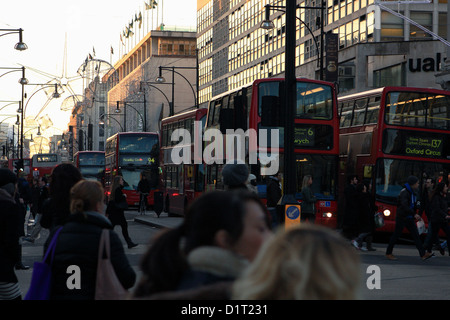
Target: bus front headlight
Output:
{"points": [[327, 214]]}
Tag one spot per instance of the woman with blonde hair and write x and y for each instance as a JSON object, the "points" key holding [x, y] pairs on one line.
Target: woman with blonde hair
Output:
{"points": [[78, 243], [306, 262]]}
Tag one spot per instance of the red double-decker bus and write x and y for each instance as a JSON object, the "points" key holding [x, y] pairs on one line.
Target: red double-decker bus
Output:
{"points": [[390, 133], [91, 164], [129, 154], [258, 109], [183, 182], [42, 164]]}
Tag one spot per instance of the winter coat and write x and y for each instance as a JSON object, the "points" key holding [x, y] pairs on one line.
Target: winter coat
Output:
{"points": [[78, 244], [366, 222], [35, 193], [209, 265], [52, 215], [216, 291], [308, 200], [9, 237], [113, 211], [405, 209], [143, 186], [439, 209], [351, 211], [273, 192]]}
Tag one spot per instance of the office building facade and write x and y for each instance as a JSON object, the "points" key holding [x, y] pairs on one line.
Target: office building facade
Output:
{"points": [[375, 47]]}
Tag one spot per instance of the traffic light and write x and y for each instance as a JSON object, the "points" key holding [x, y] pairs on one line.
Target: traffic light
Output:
{"points": [[19, 165]]}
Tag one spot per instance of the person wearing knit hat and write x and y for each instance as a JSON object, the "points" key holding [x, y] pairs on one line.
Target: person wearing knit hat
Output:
{"points": [[405, 217], [235, 175], [9, 236], [8, 180], [412, 180]]}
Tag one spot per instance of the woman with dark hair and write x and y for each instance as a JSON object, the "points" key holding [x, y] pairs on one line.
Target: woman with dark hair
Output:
{"points": [[439, 215], [221, 233], [56, 208], [116, 209]]}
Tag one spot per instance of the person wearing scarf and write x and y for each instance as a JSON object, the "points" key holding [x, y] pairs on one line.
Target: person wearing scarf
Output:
{"points": [[405, 217]]}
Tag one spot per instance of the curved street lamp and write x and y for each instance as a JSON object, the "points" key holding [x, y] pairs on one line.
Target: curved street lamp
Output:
{"points": [[160, 79], [45, 86], [20, 46], [22, 80], [110, 116], [144, 121], [268, 24]]}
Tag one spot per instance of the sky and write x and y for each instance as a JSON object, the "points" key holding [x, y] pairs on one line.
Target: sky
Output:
{"points": [[83, 27]]}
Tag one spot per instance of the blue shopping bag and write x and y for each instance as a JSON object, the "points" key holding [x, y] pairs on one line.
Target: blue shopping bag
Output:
{"points": [[42, 274]]}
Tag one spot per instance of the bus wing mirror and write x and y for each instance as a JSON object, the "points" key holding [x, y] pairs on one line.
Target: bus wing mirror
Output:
{"points": [[270, 111]]}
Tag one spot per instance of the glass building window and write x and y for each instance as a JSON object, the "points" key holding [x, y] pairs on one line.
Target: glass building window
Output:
{"points": [[442, 29], [425, 19], [391, 27], [391, 76]]}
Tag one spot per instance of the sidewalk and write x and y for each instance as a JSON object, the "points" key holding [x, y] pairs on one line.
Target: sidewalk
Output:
{"points": [[150, 218]]}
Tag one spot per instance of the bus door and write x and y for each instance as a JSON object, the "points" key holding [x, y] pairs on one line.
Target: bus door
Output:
{"points": [[189, 182]]}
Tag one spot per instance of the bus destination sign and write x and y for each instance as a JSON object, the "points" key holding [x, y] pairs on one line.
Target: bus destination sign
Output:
{"points": [[304, 136], [136, 160], [423, 146]]}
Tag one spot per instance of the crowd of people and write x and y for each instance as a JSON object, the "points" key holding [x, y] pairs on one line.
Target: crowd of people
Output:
{"points": [[359, 222], [229, 246]]}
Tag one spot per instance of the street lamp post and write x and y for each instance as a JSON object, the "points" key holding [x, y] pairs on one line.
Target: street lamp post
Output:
{"points": [[55, 95], [161, 79], [290, 90], [110, 116], [23, 81], [19, 45], [150, 84], [289, 157], [125, 104], [268, 24]]}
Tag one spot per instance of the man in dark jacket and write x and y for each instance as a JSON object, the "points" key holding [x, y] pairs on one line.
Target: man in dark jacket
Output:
{"points": [[350, 221], [439, 216], [9, 236], [273, 196], [406, 213], [143, 188]]}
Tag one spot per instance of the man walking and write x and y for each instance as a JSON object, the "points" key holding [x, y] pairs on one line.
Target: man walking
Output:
{"points": [[406, 213]]}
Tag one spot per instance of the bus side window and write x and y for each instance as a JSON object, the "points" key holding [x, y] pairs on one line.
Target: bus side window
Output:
{"points": [[226, 116], [373, 109], [211, 113], [217, 107], [360, 112], [346, 114]]}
